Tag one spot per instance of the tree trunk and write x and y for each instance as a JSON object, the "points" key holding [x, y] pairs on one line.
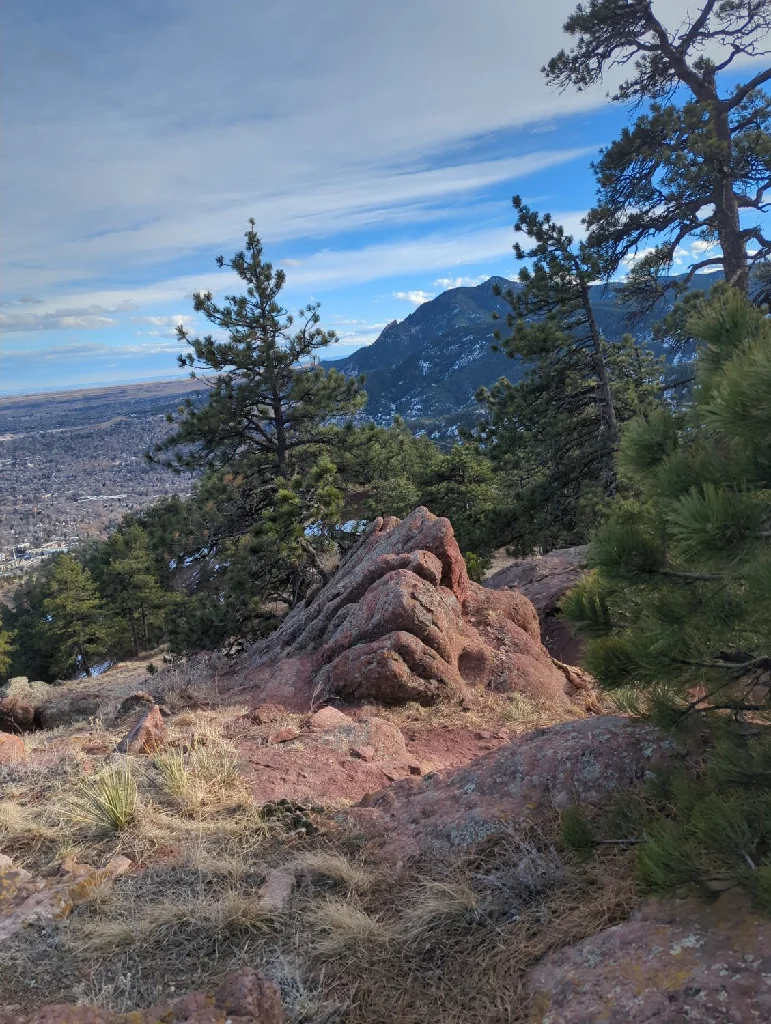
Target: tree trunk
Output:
{"points": [[735, 263], [84, 662], [144, 626], [604, 394]]}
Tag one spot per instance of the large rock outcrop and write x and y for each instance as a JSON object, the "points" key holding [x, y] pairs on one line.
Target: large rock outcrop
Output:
{"points": [[544, 580], [586, 762], [401, 621], [688, 961]]}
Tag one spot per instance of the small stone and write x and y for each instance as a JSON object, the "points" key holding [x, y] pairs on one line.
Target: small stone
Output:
{"points": [[484, 734], [139, 699], [329, 718], [147, 735], [284, 735], [365, 753], [16, 715]]}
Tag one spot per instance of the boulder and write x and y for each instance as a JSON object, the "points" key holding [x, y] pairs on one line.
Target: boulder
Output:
{"points": [[11, 748], [138, 700], [401, 621], [67, 709], [27, 900], [244, 997], [544, 580], [583, 762], [148, 734], [16, 715], [674, 961]]}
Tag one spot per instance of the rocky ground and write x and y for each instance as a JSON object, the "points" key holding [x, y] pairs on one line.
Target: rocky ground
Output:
{"points": [[358, 821]]}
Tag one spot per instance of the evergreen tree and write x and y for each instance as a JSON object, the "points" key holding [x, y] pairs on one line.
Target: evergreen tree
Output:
{"points": [[264, 434], [680, 598], [76, 619], [32, 655], [554, 433], [381, 467], [129, 582], [462, 486], [679, 172], [6, 650]]}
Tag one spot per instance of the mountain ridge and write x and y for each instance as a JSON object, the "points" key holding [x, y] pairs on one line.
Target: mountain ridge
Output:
{"points": [[431, 363]]}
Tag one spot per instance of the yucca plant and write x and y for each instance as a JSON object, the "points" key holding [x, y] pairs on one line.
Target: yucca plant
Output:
{"points": [[109, 801]]}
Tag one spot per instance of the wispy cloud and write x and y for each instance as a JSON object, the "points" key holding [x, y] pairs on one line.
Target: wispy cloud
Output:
{"points": [[86, 318]]}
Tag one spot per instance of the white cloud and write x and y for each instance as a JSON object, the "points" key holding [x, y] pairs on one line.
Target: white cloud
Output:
{"points": [[88, 318], [446, 283], [417, 297], [368, 133]]}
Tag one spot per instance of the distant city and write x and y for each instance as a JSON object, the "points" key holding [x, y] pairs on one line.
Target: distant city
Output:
{"points": [[72, 465]]}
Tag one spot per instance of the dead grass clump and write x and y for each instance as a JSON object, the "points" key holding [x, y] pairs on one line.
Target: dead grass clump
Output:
{"points": [[437, 910], [334, 867], [455, 946], [207, 776], [169, 923], [342, 930]]}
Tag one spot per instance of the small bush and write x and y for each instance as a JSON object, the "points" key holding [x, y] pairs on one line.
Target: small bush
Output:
{"points": [[109, 802]]}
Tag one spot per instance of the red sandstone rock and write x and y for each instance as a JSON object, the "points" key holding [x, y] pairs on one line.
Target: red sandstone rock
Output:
{"points": [[544, 580], [11, 748], [139, 699], [329, 718], [401, 621], [26, 899], [16, 715], [67, 709], [688, 961], [364, 753], [243, 998], [587, 761], [147, 735], [284, 735]]}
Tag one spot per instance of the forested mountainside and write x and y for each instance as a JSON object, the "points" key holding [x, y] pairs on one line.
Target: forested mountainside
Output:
{"points": [[431, 363]]}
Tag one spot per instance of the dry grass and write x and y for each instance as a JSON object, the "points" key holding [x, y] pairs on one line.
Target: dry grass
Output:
{"points": [[360, 942], [341, 930], [439, 942], [484, 709], [334, 867]]}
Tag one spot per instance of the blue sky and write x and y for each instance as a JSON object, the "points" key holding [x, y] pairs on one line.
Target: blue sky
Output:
{"points": [[376, 145]]}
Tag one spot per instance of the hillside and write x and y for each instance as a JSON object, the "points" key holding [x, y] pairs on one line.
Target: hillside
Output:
{"points": [[431, 363]]}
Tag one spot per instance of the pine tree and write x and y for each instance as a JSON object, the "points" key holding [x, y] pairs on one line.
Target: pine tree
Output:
{"points": [[680, 599], [264, 435], [33, 649], [554, 433], [130, 584], [6, 649], [462, 486], [679, 172], [76, 619]]}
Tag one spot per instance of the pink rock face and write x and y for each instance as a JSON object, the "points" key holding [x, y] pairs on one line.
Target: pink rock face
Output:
{"points": [[243, 998], [401, 621], [147, 735], [11, 748], [544, 580], [675, 962], [587, 761]]}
